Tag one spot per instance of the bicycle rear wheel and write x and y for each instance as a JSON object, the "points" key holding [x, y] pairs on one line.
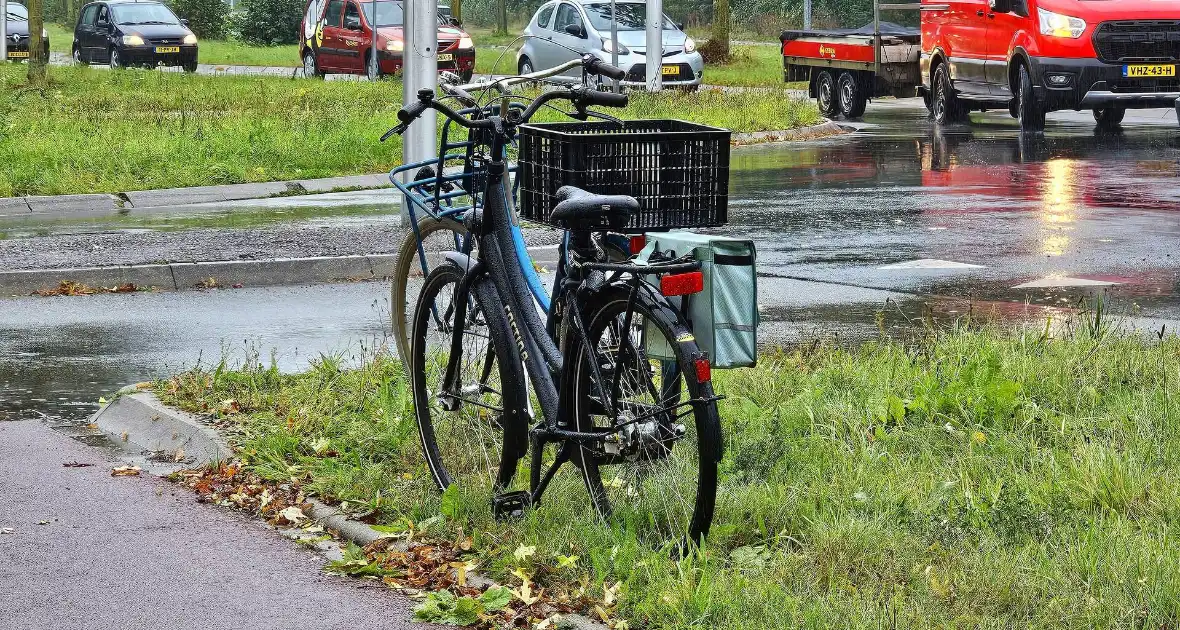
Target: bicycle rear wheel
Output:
{"points": [[473, 430], [656, 469]]}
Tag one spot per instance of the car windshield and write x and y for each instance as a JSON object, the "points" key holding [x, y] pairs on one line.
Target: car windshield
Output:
{"points": [[388, 13], [143, 13], [18, 13], [632, 16]]}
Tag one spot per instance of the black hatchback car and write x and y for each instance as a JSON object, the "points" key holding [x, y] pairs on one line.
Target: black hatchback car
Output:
{"points": [[17, 21], [126, 33]]}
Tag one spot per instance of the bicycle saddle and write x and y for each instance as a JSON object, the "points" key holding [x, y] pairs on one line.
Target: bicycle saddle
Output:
{"points": [[577, 209]]}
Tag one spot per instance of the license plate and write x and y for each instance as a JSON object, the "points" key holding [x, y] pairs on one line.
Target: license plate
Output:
{"points": [[446, 57], [18, 55], [167, 49], [1132, 72], [670, 70]]}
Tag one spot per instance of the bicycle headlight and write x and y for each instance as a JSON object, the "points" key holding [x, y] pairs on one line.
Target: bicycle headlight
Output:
{"points": [[132, 40], [1058, 25], [609, 45], [689, 45], [190, 39]]}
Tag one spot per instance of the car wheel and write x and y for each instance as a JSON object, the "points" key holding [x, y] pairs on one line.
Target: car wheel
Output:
{"points": [[467, 75], [853, 99], [372, 68], [190, 66], [525, 66], [825, 95], [947, 106], [1109, 117], [117, 60], [1032, 113], [311, 69]]}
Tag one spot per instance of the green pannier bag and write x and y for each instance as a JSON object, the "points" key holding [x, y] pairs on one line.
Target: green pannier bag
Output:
{"points": [[724, 316]]}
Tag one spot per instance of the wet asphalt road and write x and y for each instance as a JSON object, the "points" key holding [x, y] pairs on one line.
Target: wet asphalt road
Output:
{"points": [[898, 218]]}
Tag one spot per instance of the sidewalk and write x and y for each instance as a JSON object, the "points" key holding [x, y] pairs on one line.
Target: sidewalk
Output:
{"points": [[122, 553]]}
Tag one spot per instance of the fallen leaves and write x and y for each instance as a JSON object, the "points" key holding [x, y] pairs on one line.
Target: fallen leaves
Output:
{"points": [[7, 530], [75, 465], [292, 515], [72, 288], [126, 471]]}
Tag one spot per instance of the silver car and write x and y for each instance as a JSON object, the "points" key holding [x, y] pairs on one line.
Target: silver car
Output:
{"points": [[563, 30]]}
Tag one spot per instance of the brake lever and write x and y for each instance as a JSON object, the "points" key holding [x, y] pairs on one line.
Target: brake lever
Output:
{"points": [[399, 130]]}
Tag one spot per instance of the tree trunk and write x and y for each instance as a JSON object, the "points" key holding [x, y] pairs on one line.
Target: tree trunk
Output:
{"points": [[37, 58], [501, 17], [457, 10], [720, 38]]}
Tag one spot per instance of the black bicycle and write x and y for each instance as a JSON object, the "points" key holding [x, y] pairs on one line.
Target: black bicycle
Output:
{"points": [[624, 391]]}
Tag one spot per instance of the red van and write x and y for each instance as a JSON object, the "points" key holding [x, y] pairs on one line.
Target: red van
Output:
{"points": [[1036, 56], [337, 37]]}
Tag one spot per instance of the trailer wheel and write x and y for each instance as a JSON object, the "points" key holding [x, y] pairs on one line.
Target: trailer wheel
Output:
{"points": [[825, 94], [853, 98], [947, 108]]}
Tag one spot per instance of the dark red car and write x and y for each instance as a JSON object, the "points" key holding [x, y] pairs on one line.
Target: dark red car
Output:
{"points": [[337, 39]]}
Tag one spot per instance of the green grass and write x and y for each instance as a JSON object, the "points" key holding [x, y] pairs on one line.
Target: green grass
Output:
{"points": [[972, 479], [101, 131], [210, 50]]}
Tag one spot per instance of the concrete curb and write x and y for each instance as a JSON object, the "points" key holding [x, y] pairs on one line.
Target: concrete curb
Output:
{"points": [[153, 426], [143, 423], [190, 275], [813, 132]]}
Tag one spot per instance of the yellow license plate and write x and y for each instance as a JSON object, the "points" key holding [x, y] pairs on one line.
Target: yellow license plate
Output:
{"points": [[1132, 72], [167, 49], [446, 57], [18, 55], [670, 70]]}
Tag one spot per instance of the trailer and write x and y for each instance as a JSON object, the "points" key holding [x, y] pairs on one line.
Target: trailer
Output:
{"points": [[845, 68]]}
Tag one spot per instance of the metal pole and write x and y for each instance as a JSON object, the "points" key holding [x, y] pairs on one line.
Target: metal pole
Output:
{"points": [[655, 45], [373, 44], [876, 39], [807, 15], [3, 30], [614, 36], [419, 71]]}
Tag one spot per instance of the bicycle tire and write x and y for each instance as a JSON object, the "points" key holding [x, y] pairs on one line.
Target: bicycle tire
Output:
{"points": [[484, 447], [406, 265], [634, 502]]}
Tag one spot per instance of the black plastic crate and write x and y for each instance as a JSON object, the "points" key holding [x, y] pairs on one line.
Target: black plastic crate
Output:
{"points": [[678, 171]]}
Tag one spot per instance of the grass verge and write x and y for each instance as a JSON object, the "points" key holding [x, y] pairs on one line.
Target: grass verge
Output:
{"points": [[985, 479], [101, 131]]}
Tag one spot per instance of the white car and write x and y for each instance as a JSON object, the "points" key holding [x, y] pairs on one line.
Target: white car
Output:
{"points": [[563, 30]]}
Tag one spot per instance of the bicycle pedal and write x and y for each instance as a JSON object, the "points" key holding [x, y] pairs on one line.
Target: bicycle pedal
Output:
{"points": [[511, 505]]}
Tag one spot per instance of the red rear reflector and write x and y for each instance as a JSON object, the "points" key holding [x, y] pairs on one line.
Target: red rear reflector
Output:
{"points": [[704, 370], [638, 243], [682, 283]]}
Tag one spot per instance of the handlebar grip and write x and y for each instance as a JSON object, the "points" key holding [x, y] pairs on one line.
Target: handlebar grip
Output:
{"points": [[411, 112], [603, 99], [604, 69]]}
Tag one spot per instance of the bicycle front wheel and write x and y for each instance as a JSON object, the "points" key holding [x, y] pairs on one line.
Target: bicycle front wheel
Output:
{"points": [[472, 425], [437, 236], [655, 471]]}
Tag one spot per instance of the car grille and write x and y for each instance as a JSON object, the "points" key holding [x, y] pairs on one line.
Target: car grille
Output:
{"points": [[165, 41], [1138, 86], [445, 45], [638, 72], [1138, 40]]}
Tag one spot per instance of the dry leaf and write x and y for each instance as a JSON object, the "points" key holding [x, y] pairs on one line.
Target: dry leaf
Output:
{"points": [[523, 552], [293, 514], [179, 455], [126, 471]]}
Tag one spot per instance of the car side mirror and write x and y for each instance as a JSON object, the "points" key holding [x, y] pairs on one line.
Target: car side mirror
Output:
{"points": [[352, 22], [183, 21], [576, 30], [1000, 6]]}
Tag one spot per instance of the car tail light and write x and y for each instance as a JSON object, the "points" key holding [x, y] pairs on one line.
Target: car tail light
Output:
{"points": [[704, 370], [682, 283], [638, 243]]}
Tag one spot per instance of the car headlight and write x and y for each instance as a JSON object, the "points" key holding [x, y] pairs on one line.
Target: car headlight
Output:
{"points": [[465, 42], [132, 40], [190, 39], [609, 46], [689, 45], [1059, 25], [394, 45]]}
